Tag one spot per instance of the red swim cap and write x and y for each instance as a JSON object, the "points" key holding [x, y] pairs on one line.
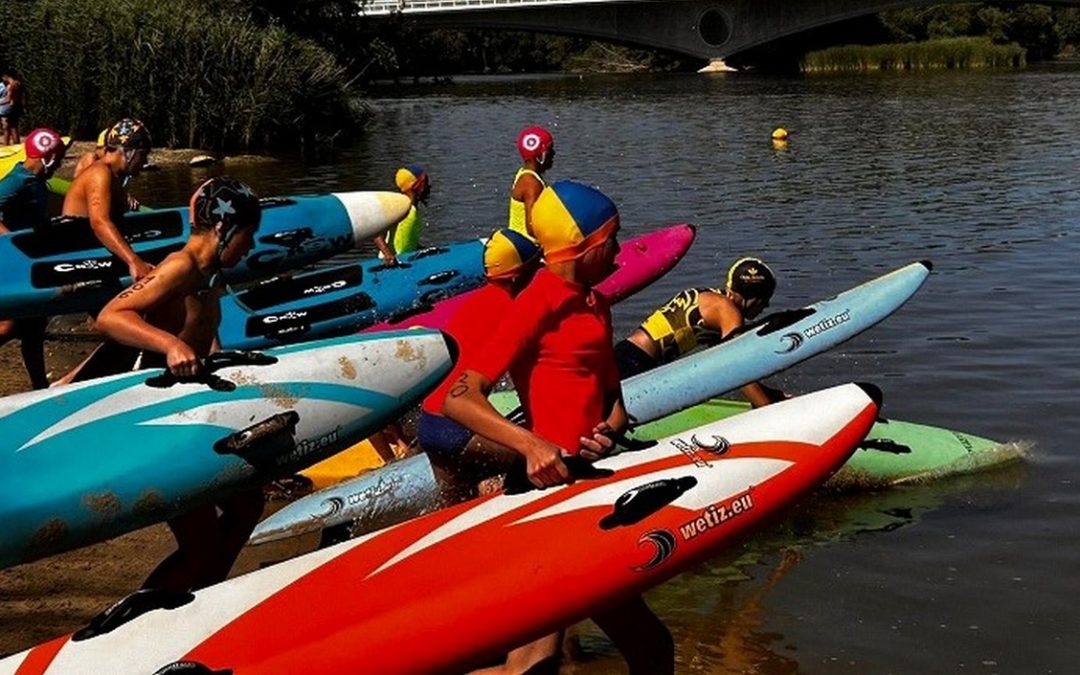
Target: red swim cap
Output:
{"points": [[534, 143], [43, 144]]}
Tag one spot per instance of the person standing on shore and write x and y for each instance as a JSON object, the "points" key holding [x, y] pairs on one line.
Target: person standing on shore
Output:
{"points": [[12, 106], [172, 316], [99, 193], [24, 200], [537, 149], [555, 340]]}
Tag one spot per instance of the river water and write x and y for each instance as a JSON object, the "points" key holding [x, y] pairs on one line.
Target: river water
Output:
{"points": [[975, 171]]}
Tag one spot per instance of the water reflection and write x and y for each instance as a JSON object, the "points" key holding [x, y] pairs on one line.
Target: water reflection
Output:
{"points": [[721, 614]]}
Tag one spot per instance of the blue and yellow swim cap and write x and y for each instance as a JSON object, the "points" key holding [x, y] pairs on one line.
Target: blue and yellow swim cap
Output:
{"points": [[408, 176], [507, 251], [569, 218]]}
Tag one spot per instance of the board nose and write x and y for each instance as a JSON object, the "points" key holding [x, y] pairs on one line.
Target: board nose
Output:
{"points": [[371, 213], [873, 391]]}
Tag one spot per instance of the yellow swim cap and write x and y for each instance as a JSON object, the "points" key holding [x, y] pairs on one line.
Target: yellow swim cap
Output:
{"points": [[408, 176], [507, 251], [780, 134]]}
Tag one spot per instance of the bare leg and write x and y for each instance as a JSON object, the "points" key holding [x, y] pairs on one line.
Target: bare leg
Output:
{"points": [[459, 476], [540, 657], [381, 443], [644, 641], [239, 515], [32, 345], [196, 535], [109, 358]]}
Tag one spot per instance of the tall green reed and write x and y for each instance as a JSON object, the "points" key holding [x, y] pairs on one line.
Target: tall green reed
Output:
{"points": [[971, 52], [199, 74]]}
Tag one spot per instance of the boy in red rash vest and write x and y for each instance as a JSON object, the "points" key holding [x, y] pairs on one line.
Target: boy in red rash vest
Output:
{"points": [[556, 343], [510, 261]]}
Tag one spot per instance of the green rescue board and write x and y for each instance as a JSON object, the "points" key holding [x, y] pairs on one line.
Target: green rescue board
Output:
{"points": [[893, 453]]}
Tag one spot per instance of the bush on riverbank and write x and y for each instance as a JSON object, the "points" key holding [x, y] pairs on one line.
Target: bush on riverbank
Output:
{"points": [[934, 54], [198, 73]]}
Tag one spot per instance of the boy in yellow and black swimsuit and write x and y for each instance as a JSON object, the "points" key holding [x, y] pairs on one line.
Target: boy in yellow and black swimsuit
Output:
{"points": [[700, 317]]}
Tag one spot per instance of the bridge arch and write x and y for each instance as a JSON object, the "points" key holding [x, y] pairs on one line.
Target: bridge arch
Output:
{"points": [[705, 29]]}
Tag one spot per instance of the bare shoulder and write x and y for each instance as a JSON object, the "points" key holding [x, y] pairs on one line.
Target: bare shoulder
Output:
{"points": [[714, 300], [719, 312], [528, 185], [94, 176]]}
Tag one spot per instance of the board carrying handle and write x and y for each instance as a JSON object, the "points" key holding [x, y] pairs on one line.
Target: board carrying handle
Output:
{"points": [[210, 364], [517, 480]]}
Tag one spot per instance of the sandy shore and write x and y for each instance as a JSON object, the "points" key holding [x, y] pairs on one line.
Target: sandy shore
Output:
{"points": [[159, 157]]}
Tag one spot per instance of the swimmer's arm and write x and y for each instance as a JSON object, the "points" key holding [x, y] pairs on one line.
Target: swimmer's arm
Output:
{"points": [[99, 207], [601, 443], [122, 319], [389, 257], [467, 404], [528, 190], [3, 228], [721, 315]]}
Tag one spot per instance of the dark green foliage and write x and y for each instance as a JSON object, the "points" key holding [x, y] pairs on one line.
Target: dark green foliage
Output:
{"points": [[1039, 29], [198, 73]]}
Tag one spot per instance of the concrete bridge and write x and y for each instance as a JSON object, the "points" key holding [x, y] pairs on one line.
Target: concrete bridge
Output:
{"points": [[707, 29]]}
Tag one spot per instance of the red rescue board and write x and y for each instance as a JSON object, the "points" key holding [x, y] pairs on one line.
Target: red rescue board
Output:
{"points": [[446, 590]]}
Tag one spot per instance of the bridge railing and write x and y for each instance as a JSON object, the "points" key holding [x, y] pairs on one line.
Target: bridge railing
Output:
{"points": [[384, 7]]}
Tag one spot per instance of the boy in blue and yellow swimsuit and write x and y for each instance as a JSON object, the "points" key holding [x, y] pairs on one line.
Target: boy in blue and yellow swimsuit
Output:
{"points": [[702, 316]]}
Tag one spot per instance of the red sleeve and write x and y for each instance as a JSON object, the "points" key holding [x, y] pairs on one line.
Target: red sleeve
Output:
{"points": [[516, 335]]}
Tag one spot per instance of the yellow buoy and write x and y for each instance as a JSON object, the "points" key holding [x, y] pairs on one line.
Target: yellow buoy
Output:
{"points": [[780, 134]]}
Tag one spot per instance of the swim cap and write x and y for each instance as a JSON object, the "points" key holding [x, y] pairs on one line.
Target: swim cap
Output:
{"points": [[409, 176], [43, 144], [751, 278], [224, 200], [507, 251], [569, 218], [534, 143], [128, 134], [101, 138]]}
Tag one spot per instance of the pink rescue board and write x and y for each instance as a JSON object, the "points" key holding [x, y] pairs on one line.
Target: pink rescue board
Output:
{"points": [[643, 260]]}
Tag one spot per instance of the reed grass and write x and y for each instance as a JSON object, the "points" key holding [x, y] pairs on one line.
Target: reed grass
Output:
{"points": [[946, 53], [200, 74]]}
